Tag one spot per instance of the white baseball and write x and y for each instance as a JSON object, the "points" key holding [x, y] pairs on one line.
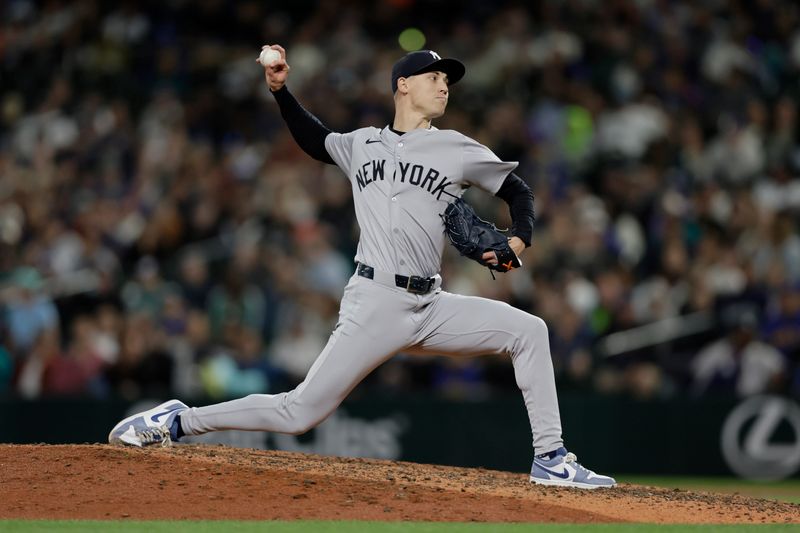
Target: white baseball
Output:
{"points": [[268, 55]]}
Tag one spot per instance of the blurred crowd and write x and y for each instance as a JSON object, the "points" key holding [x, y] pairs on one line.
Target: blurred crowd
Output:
{"points": [[161, 233]]}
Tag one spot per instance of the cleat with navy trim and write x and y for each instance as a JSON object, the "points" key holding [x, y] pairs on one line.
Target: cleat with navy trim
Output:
{"points": [[564, 470], [148, 428]]}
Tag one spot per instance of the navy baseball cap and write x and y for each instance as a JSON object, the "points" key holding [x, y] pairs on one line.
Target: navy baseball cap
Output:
{"points": [[426, 61]]}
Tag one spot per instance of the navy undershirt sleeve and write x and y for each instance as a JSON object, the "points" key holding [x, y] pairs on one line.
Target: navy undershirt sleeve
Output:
{"points": [[308, 132], [519, 197]]}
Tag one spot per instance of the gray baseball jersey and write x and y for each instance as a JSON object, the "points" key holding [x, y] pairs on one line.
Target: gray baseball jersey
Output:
{"points": [[401, 184]]}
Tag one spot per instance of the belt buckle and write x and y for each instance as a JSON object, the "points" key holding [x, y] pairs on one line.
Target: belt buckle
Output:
{"points": [[418, 285]]}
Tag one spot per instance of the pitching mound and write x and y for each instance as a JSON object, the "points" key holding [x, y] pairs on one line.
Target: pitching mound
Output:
{"points": [[202, 482]]}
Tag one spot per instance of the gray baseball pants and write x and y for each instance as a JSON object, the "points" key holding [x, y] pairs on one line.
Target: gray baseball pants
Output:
{"points": [[378, 320]]}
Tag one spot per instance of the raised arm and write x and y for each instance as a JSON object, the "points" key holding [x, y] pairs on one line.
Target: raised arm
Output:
{"points": [[308, 132]]}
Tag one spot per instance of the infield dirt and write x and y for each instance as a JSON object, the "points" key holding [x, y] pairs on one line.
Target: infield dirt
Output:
{"points": [[213, 482]]}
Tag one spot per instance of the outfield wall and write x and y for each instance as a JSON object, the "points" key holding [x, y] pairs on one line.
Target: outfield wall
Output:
{"points": [[756, 438]]}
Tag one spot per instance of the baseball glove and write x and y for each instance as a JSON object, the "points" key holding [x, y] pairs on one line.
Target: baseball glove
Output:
{"points": [[473, 236]]}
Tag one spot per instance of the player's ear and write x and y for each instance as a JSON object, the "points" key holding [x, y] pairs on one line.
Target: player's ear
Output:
{"points": [[402, 85]]}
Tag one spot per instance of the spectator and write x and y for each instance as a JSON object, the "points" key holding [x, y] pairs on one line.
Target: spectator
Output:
{"points": [[30, 312], [148, 291], [194, 279], [233, 304], [31, 377], [738, 363], [781, 249], [781, 329], [144, 366], [231, 372], [78, 370]]}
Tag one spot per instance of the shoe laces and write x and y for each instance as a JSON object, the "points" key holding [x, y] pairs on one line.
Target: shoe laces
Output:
{"points": [[155, 436], [572, 458]]}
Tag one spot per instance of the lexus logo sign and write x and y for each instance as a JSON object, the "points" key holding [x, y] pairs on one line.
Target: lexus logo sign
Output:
{"points": [[748, 442]]}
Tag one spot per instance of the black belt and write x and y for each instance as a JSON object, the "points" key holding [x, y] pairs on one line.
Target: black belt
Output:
{"points": [[414, 284]]}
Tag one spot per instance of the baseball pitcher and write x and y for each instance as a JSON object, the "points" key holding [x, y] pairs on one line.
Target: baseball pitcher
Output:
{"points": [[407, 180]]}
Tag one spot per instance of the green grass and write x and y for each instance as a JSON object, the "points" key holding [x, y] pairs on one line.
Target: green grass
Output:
{"points": [[786, 491], [305, 526]]}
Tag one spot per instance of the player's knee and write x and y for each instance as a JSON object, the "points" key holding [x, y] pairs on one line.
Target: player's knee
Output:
{"points": [[536, 328], [298, 427], [302, 422]]}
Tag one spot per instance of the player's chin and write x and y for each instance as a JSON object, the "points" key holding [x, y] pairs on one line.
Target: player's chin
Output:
{"points": [[438, 110]]}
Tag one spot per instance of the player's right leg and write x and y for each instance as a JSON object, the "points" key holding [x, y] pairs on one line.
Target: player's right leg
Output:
{"points": [[155, 426], [372, 327]]}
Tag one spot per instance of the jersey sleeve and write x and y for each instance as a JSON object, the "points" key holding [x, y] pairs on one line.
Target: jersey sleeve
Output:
{"points": [[483, 168], [340, 148]]}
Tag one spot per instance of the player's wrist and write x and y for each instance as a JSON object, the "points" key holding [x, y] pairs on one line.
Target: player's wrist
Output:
{"points": [[525, 239], [517, 244], [279, 91]]}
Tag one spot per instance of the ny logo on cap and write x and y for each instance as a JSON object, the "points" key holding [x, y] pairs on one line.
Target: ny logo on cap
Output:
{"points": [[436, 56]]}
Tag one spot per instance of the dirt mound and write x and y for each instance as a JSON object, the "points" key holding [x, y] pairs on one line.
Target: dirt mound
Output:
{"points": [[203, 482]]}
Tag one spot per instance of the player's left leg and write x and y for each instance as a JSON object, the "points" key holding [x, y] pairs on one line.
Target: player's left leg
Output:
{"points": [[456, 325]]}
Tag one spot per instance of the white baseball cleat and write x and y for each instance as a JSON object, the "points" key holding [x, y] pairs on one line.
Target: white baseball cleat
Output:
{"points": [[564, 470], [148, 427]]}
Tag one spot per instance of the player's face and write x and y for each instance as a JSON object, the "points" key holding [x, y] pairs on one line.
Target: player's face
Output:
{"points": [[429, 92]]}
